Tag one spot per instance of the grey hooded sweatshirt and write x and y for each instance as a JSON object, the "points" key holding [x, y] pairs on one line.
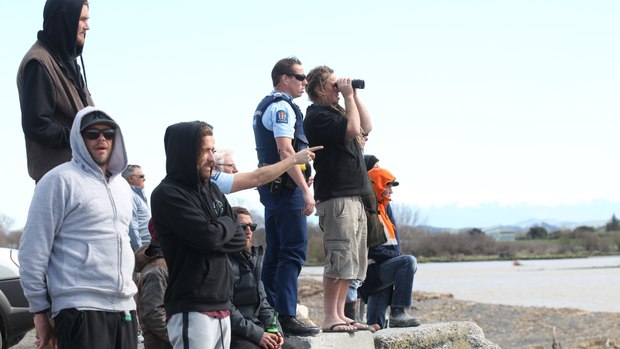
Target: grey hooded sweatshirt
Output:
{"points": [[75, 250]]}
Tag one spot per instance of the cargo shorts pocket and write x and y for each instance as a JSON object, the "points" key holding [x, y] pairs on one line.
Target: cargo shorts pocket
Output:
{"points": [[320, 212], [338, 261]]}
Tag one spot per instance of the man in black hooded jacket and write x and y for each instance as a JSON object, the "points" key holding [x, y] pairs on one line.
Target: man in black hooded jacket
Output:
{"points": [[51, 87], [197, 228]]}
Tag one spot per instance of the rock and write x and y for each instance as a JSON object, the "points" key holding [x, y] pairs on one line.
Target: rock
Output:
{"points": [[455, 334]]}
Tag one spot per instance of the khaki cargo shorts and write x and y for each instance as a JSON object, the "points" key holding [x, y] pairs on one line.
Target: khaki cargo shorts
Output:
{"points": [[343, 221]]}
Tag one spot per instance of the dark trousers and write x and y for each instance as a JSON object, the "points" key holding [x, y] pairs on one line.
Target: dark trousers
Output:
{"points": [[396, 276], [152, 341], [286, 235], [79, 329]]}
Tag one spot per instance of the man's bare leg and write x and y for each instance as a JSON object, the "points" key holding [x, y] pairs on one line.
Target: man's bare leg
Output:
{"points": [[333, 304]]}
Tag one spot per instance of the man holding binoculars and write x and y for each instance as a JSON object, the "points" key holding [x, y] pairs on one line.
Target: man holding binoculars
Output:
{"points": [[338, 185]]}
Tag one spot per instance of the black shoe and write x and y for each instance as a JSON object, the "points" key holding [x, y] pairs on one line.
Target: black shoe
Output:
{"points": [[408, 322], [293, 327], [400, 318]]}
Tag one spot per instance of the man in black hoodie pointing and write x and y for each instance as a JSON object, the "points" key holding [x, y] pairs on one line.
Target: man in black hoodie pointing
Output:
{"points": [[197, 228], [51, 86]]}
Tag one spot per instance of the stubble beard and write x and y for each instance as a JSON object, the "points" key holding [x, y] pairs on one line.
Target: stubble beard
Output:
{"points": [[79, 43], [205, 174], [101, 159]]}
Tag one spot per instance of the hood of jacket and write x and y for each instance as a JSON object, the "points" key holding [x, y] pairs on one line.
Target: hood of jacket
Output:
{"points": [[380, 178], [59, 36], [118, 157], [181, 143], [146, 254], [60, 25]]}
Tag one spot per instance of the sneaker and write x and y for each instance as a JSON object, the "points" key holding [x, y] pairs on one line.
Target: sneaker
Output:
{"points": [[400, 318], [293, 327]]}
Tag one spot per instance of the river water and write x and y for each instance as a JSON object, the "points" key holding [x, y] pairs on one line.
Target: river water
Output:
{"points": [[582, 283]]}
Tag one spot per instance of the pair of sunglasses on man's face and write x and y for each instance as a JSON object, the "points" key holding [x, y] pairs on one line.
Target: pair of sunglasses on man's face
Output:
{"points": [[252, 226], [93, 133], [299, 77]]}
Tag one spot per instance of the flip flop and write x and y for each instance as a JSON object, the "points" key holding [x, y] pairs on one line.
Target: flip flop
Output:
{"points": [[362, 328], [332, 328]]}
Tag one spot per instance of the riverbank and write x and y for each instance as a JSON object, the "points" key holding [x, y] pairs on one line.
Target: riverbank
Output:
{"points": [[510, 327]]}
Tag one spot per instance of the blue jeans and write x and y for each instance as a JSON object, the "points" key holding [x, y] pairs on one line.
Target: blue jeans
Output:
{"points": [[286, 234], [353, 286], [395, 290]]}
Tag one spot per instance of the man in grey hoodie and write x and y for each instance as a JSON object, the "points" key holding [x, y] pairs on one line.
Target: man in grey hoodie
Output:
{"points": [[75, 257]]}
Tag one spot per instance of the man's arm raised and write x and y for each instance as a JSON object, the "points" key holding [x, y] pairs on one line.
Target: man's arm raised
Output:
{"points": [[266, 174]]}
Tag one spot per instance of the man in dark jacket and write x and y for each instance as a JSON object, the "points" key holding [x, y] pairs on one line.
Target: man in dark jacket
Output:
{"points": [[197, 228], [152, 283], [252, 318], [50, 85]]}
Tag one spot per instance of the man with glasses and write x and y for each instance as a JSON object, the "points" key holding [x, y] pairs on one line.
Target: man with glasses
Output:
{"points": [[138, 229], [75, 257], [252, 318], [278, 132], [225, 162]]}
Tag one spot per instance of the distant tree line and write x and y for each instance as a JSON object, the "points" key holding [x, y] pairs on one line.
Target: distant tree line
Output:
{"points": [[464, 245], [8, 238]]}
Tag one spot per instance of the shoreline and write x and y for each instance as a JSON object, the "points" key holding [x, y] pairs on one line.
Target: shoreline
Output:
{"points": [[581, 283], [494, 258]]}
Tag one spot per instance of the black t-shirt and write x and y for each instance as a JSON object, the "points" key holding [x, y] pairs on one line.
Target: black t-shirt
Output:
{"points": [[339, 166]]}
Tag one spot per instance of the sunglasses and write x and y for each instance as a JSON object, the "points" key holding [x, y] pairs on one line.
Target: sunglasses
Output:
{"points": [[252, 226], [141, 176], [300, 77], [93, 133]]}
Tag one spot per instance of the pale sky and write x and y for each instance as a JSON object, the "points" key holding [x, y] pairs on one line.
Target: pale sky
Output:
{"points": [[504, 104]]}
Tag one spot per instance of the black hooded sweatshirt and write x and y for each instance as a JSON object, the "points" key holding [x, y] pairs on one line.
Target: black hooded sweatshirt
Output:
{"points": [[196, 228], [51, 87]]}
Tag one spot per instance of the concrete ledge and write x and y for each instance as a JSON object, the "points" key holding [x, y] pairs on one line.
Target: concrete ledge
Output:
{"points": [[443, 335], [335, 340]]}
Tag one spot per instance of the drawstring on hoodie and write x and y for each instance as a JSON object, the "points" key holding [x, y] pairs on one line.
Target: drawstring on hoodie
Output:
{"points": [[84, 71]]}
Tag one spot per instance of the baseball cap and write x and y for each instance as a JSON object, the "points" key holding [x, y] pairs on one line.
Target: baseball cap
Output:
{"points": [[96, 117]]}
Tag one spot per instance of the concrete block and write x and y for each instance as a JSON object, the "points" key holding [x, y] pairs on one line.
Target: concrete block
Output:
{"points": [[443, 335], [335, 340]]}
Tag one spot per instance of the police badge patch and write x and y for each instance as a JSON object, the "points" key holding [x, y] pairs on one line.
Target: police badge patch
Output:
{"points": [[281, 117]]}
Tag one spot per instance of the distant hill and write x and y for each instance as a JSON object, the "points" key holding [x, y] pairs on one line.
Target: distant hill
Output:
{"points": [[494, 216], [551, 225]]}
